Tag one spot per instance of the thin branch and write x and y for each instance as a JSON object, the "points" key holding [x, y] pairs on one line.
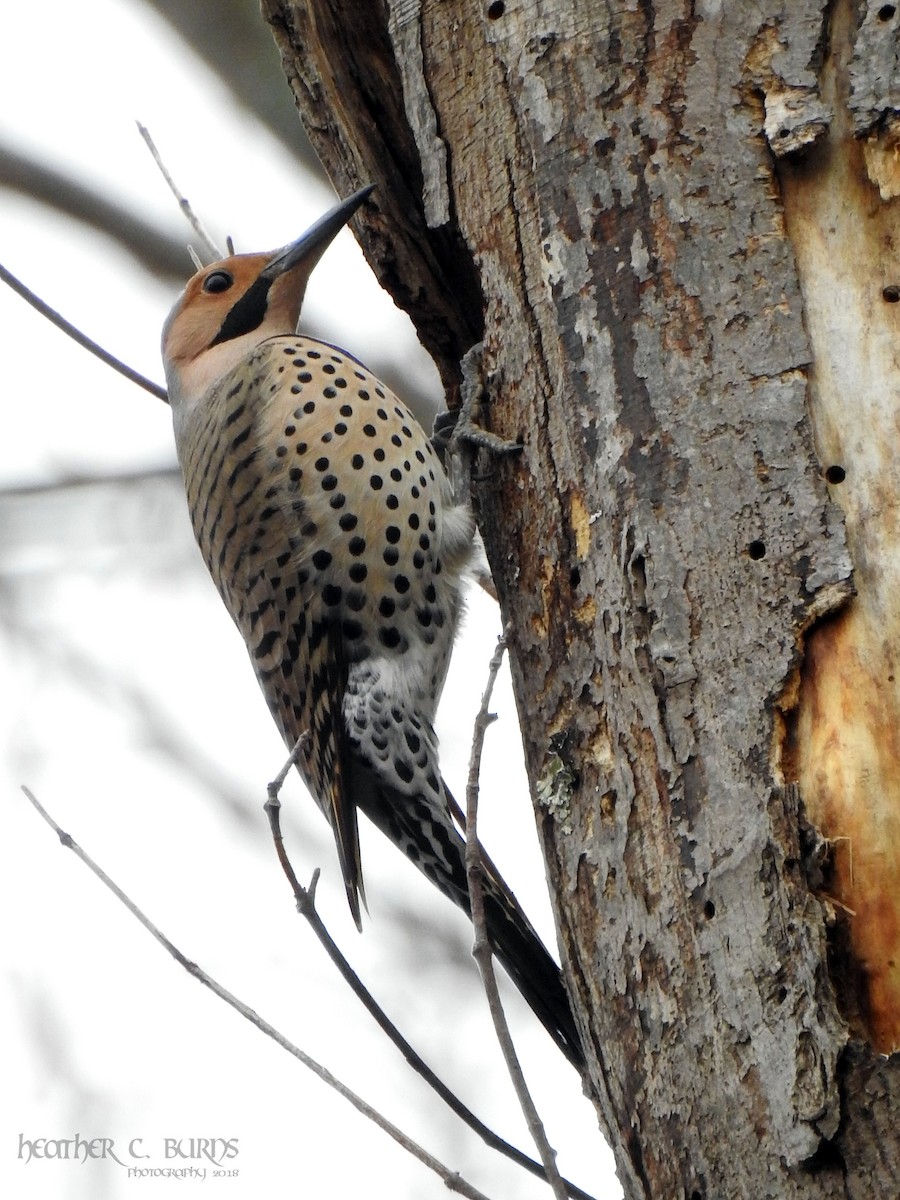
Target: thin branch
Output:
{"points": [[481, 950], [81, 338], [155, 249], [75, 482], [183, 203], [306, 906], [451, 1179]]}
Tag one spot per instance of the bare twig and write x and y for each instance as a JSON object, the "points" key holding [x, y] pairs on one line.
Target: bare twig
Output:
{"points": [[184, 204], [452, 1180], [153, 247], [77, 336], [306, 906], [481, 950]]}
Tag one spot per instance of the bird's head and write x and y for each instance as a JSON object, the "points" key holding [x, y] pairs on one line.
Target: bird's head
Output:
{"points": [[231, 306]]}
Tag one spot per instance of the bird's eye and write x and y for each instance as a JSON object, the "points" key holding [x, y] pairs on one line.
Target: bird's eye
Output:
{"points": [[218, 281]]}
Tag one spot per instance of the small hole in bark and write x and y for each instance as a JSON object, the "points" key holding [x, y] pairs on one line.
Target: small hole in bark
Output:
{"points": [[891, 293], [757, 550], [709, 910], [783, 133], [574, 577], [886, 12], [496, 10], [695, 1195], [835, 474]]}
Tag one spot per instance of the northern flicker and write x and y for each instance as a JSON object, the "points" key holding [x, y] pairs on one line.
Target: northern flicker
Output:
{"points": [[328, 526]]}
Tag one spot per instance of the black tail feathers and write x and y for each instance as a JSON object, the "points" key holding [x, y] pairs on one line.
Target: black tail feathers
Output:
{"points": [[427, 835], [531, 969]]}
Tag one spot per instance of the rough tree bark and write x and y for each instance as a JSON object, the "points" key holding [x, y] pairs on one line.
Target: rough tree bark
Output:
{"points": [[674, 226]]}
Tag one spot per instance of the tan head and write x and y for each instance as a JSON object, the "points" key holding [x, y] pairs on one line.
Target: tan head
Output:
{"points": [[228, 308]]}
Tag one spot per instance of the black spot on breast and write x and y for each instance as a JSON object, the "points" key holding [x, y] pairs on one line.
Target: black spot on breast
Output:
{"points": [[404, 770]]}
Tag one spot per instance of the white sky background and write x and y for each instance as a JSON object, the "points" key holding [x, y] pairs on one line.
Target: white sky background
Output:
{"points": [[109, 608]]}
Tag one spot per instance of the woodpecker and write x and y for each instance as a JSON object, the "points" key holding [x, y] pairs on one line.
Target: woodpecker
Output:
{"points": [[329, 528]]}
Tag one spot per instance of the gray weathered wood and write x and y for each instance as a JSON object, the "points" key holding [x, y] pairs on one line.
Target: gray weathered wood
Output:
{"points": [[599, 190]]}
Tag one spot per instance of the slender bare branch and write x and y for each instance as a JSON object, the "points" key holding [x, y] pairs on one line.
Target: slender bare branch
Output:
{"points": [[153, 247], [76, 481], [481, 950], [451, 1179], [306, 906], [81, 338], [184, 204]]}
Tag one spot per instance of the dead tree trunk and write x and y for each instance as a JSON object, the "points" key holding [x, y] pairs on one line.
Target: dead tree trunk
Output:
{"points": [[673, 225]]}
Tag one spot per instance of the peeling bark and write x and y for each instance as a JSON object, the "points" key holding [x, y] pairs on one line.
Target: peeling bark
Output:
{"points": [[614, 197], [846, 729]]}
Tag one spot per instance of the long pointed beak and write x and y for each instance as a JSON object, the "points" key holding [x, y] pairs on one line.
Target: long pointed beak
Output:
{"points": [[311, 245]]}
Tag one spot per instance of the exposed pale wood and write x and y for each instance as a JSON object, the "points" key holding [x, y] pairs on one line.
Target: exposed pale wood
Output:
{"points": [[845, 744], [597, 188]]}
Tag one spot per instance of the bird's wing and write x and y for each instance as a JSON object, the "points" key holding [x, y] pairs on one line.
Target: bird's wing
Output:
{"points": [[297, 651]]}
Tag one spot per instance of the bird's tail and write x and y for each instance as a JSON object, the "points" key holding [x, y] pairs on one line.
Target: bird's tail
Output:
{"points": [[426, 833], [529, 965]]}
